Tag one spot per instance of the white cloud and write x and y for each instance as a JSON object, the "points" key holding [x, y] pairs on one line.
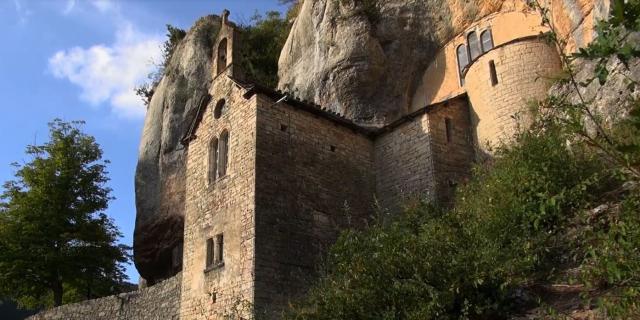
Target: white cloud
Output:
{"points": [[110, 73], [104, 5], [69, 6], [84, 6], [22, 11]]}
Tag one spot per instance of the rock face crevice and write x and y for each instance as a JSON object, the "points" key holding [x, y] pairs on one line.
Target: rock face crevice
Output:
{"points": [[160, 173]]}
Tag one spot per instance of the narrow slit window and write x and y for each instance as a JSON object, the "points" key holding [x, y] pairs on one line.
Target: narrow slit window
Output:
{"points": [[487, 40], [223, 154], [493, 73], [210, 253], [213, 160], [448, 125], [474, 46], [219, 253]]}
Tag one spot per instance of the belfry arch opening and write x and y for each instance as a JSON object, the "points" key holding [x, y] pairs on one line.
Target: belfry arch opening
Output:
{"points": [[222, 56]]}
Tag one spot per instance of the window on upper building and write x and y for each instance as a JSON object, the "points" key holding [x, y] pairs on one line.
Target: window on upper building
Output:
{"points": [[210, 254], [223, 154], [213, 160], [219, 252], [220, 109], [222, 56], [463, 60], [493, 73], [474, 45], [487, 40]]}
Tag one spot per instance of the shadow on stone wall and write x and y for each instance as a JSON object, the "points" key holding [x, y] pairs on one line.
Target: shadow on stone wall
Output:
{"points": [[161, 301]]}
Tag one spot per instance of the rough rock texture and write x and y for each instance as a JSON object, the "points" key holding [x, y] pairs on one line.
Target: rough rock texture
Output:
{"points": [[610, 99], [160, 174], [357, 63], [158, 302], [366, 64]]}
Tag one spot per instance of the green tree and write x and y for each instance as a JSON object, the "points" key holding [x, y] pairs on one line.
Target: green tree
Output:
{"points": [[263, 41], [56, 243]]}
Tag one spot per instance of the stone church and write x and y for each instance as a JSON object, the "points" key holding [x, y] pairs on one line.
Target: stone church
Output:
{"points": [[262, 207]]}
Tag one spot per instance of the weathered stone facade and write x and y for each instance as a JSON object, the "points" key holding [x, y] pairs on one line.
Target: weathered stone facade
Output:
{"points": [[314, 178], [159, 302], [524, 70], [221, 206]]}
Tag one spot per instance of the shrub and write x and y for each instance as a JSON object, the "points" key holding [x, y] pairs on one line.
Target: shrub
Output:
{"points": [[506, 233]]}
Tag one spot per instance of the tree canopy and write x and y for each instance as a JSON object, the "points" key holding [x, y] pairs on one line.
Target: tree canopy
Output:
{"points": [[56, 243]]}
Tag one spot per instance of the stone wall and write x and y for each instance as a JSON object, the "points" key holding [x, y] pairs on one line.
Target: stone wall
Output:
{"points": [[417, 160], [524, 69], [404, 164], [314, 178], [223, 206], [453, 151], [156, 302]]}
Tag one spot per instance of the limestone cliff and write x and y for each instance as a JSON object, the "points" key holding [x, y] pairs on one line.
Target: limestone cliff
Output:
{"points": [[365, 61], [362, 61], [160, 174]]}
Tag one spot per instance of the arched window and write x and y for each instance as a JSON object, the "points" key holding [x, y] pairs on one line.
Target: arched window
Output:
{"points": [[213, 160], [463, 58], [220, 109], [222, 55], [487, 40], [223, 153], [474, 45]]}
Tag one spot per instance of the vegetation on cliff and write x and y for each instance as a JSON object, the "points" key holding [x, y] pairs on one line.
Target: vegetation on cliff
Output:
{"points": [[557, 208], [263, 39], [56, 243]]}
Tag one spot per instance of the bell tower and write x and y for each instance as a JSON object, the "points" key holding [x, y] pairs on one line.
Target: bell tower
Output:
{"points": [[226, 51]]}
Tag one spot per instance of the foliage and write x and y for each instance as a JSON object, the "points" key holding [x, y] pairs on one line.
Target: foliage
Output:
{"points": [[506, 232], [174, 36], [294, 8], [369, 8], [614, 37], [263, 40], [609, 238], [56, 243]]}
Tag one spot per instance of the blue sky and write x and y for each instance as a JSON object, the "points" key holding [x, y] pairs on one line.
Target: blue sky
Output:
{"points": [[79, 60]]}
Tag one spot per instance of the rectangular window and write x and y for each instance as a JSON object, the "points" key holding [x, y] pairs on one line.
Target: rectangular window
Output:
{"points": [[448, 129], [219, 254], [209, 253], [494, 73]]}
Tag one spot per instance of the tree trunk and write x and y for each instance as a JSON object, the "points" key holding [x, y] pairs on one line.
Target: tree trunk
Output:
{"points": [[57, 293]]}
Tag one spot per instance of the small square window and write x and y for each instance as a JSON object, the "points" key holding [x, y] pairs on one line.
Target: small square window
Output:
{"points": [[283, 128], [332, 148]]}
